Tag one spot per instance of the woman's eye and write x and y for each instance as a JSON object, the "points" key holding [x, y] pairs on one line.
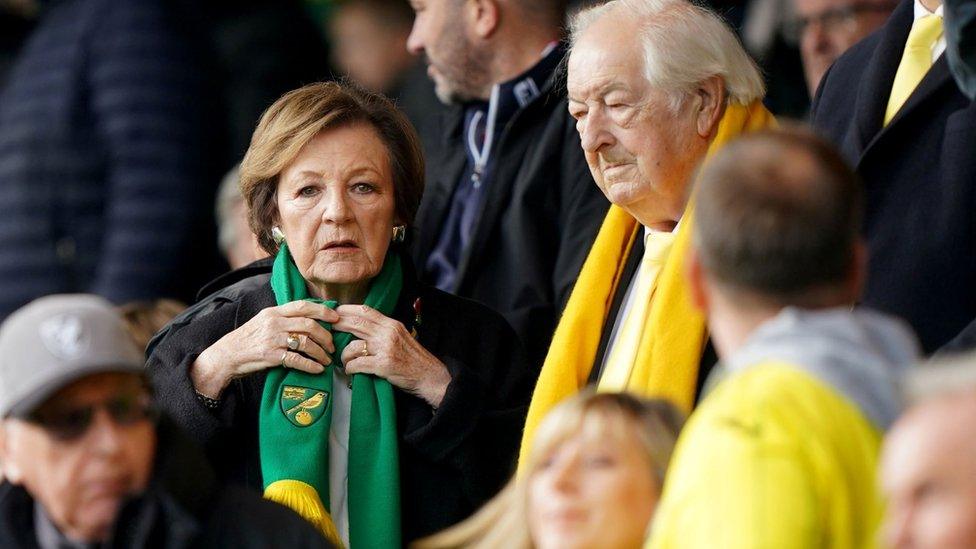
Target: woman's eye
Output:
{"points": [[308, 191], [362, 188]]}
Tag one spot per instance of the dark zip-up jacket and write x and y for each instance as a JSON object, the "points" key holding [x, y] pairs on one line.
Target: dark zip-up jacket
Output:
{"points": [[538, 219]]}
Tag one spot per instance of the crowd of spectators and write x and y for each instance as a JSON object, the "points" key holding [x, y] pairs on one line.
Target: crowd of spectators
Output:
{"points": [[487, 273]]}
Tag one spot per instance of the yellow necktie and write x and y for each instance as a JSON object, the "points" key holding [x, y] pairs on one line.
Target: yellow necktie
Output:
{"points": [[915, 62], [620, 363]]}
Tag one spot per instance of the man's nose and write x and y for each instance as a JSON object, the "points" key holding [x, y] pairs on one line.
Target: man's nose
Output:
{"points": [[594, 132], [415, 43], [815, 39], [105, 434]]}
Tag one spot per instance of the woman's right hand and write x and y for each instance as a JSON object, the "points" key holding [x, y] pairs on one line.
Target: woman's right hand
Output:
{"points": [[262, 342]]}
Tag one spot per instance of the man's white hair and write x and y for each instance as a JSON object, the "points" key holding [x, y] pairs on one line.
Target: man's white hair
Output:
{"points": [[684, 44], [944, 376]]}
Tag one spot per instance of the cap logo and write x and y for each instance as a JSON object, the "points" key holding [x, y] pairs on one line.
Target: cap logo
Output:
{"points": [[65, 336]]}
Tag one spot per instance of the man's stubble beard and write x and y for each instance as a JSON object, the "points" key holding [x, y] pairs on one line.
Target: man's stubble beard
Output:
{"points": [[464, 70]]}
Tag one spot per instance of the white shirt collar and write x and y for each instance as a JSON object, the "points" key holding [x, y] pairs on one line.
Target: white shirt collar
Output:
{"points": [[649, 231], [921, 11]]}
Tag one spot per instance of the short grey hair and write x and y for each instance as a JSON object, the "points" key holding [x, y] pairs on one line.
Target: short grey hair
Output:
{"points": [[944, 376], [684, 44]]}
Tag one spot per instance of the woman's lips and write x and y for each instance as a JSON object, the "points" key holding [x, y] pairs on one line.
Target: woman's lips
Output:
{"points": [[341, 247]]}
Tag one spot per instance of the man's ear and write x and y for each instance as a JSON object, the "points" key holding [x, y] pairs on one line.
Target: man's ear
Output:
{"points": [[8, 466], [483, 16], [696, 281], [710, 98]]}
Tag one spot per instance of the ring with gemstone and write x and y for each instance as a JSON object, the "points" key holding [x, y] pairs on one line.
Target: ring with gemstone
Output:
{"points": [[293, 342]]}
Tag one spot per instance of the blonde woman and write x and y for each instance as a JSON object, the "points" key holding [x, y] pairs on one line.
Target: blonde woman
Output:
{"points": [[593, 479]]}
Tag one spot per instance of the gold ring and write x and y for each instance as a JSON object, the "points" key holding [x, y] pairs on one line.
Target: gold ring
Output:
{"points": [[293, 342], [365, 349], [283, 355]]}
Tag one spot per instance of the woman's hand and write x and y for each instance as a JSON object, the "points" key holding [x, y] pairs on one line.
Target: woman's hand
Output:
{"points": [[262, 342], [394, 354]]}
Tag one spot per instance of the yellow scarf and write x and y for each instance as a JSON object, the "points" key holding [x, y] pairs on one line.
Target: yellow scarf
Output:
{"points": [[669, 352]]}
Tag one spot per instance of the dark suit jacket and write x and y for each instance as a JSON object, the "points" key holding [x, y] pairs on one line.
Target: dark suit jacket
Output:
{"points": [[540, 215], [919, 177]]}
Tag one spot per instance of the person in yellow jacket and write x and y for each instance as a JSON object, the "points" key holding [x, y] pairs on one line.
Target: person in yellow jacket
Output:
{"points": [[783, 451], [655, 87]]}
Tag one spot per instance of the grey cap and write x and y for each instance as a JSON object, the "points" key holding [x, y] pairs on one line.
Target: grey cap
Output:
{"points": [[55, 340]]}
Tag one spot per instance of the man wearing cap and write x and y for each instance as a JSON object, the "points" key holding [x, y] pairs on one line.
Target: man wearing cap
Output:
{"points": [[87, 461]]}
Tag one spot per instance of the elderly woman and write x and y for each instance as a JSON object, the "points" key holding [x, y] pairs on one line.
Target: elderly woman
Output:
{"points": [[593, 479], [376, 407]]}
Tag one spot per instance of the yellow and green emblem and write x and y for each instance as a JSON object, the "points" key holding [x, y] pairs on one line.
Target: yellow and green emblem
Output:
{"points": [[303, 406]]}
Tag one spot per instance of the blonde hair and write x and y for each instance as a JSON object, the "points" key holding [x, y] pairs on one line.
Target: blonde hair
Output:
{"points": [[503, 521], [684, 44]]}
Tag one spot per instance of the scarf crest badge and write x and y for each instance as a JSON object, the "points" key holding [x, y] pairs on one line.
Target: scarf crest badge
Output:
{"points": [[303, 406]]}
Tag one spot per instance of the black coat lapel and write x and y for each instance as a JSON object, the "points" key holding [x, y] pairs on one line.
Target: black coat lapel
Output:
{"points": [[446, 168], [872, 96], [934, 80]]}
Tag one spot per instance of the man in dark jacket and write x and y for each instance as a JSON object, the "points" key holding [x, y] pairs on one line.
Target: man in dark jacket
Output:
{"points": [[510, 209], [105, 156], [903, 123], [86, 463]]}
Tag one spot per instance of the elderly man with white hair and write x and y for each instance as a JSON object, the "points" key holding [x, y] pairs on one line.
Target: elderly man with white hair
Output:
{"points": [[655, 86]]}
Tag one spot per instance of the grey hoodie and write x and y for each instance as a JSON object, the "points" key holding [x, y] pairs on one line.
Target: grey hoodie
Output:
{"points": [[861, 354]]}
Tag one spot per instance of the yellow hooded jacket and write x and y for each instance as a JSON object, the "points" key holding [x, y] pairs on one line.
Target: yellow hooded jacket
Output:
{"points": [[784, 452]]}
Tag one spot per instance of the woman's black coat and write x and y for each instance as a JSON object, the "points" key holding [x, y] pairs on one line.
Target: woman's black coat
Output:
{"points": [[451, 460]]}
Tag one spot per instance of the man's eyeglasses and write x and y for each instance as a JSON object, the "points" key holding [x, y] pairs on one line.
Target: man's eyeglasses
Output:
{"points": [[834, 19], [69, 424]]}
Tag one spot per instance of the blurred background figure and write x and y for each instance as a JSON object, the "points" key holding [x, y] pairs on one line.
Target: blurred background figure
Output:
{"points": [[16, 20], [261, 49], [369, 46], [824, 29], [87, 459], [593, 479], [928, 466], [107, 139], [234, 236], [143, 319]]}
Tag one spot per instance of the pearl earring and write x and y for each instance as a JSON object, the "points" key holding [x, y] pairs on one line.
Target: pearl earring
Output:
{"points": [[277, 235]]}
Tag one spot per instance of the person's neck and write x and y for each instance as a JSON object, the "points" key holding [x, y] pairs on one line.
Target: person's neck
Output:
{"points": [[517, 53], [931, 5], [731, 322], [344, 294], [734, 316]]}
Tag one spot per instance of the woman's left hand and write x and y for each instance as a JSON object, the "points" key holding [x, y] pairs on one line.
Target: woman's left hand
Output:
{"points": [[393, 354]]}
